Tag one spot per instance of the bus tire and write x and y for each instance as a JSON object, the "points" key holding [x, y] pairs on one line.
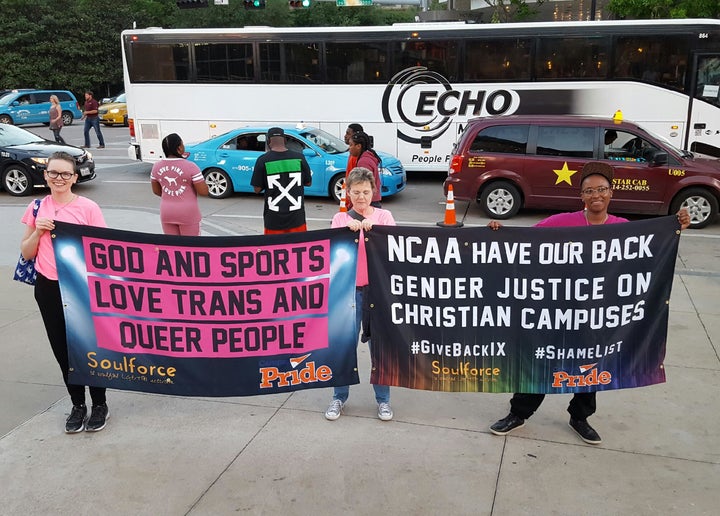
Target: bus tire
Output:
{"points": [[335, 187], [67, 118], [500, 200], [700, 203], [16, 180], [219, 183]]}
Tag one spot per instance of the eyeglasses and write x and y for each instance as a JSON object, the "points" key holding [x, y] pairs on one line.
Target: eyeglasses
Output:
{"points": [[54, 174], [602, 190], [358, 193]]}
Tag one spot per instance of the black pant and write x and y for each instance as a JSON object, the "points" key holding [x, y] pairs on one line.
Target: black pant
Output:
{"points": [[581, 406], [47, 295], [58, 138]]}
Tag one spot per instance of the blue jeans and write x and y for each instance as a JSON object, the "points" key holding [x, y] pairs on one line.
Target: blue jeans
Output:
{"points": [[93, 122], [382, 392]]}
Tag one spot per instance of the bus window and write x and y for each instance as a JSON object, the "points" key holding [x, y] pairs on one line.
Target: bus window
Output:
{"points": [[497, 60], [289, 62], [652, 59], [436, 56], [302, 61], [572, 58], [158, 62], [569, 142], [221, 62], [356, 62]]}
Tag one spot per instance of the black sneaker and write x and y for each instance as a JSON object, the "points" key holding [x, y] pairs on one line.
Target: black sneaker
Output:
{"points": [[98, 418], [76, 420], [585, 431], [507, 424]]}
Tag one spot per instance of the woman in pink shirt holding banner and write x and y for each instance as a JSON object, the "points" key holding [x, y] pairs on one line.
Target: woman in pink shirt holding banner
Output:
{"points": [[361, 187], [61, 205]]}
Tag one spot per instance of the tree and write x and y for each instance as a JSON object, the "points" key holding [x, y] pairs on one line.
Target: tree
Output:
{"points": [[642, 9], [512, 10], [75, 44]]}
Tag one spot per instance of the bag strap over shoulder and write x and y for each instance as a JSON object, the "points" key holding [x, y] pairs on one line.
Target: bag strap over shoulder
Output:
{"points": [[36, 208], [355, 215]]}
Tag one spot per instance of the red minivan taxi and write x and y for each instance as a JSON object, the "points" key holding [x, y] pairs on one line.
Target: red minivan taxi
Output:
{"points": [[512, 162]]}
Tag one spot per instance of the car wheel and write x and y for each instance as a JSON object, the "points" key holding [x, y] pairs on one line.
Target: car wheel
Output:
{"points": [[335, 187], [67, 117], [17, 181], [500, 200], [701, 204], [219, 183], [5, 119], [125, 121]]}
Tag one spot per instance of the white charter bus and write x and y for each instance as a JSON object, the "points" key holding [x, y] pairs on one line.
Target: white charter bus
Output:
{"points": [[414, 86]]}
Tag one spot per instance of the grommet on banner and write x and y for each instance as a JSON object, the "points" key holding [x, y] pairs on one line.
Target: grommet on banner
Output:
{"points": [[450, 217]]}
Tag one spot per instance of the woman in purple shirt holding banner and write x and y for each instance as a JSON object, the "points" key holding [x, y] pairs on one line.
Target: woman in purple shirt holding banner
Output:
{"points": [[595, 192]]}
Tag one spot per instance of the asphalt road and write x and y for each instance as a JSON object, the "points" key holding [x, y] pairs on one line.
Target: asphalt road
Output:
{"points": [[123, 183]]}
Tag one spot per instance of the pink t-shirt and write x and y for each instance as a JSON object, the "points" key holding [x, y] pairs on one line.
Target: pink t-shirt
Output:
{"points": [[178, 202], [575, 218], [80, 211], [380, 217]]}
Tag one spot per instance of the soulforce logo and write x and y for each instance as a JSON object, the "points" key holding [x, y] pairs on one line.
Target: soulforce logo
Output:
{"points": [[424, 103]]}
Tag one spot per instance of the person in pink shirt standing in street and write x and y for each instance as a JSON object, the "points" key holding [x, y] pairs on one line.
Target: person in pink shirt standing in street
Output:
{"points": [[178, 182]]}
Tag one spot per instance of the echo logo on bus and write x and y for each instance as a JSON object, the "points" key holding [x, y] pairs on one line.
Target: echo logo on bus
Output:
{"points": [[424, 103]]}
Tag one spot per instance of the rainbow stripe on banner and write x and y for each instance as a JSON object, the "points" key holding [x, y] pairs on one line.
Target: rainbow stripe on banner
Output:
{"points": [[535, 310]]}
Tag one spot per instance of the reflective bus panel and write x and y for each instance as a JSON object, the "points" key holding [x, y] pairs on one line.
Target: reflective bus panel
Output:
{"points": [[414, 86]]}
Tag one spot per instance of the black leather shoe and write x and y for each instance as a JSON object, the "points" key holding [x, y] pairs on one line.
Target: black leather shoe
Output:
{"points": [[585, 431], [507, 424]]}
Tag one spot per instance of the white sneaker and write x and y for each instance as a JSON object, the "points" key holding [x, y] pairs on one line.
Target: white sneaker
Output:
{"points": [[334, 410], [385, 413]]}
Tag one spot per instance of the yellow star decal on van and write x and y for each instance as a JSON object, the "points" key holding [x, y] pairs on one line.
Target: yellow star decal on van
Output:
{"points": [[564, 174]]}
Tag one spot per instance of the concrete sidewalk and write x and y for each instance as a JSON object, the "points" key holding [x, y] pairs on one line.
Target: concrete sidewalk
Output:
{"points": [[163, 455]]}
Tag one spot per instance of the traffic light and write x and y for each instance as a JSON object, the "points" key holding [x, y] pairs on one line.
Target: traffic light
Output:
{"points": [[254, 4], [191, 4], [299, 4]]}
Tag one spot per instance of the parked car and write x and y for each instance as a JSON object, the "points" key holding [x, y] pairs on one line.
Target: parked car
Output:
{"points": [[506, 163], [24, 156], [228, 160], [5, 92], [114, 113], [33, 106]]}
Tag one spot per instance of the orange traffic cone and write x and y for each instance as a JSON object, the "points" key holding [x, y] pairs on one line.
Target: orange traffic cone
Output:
{"points": [[343, 206], [450, 218]]}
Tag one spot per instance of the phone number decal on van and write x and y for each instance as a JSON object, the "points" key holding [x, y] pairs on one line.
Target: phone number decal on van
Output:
{"points": [[634, 185]]}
